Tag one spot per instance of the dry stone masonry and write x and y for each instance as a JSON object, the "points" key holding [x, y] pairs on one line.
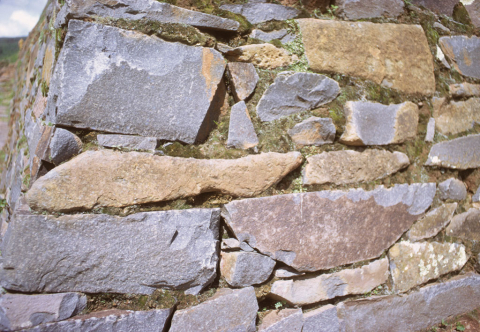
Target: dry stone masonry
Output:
{"points": [[292, 166]]}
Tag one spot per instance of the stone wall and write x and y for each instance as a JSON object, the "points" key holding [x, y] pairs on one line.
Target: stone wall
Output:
{"points": [[214, 166]]}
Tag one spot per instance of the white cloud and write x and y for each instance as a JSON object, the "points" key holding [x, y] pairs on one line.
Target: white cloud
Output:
{"points": [[18, 17], [24, 19]]}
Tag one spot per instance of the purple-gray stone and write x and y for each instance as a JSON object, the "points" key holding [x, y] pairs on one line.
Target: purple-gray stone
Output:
{"points": [[358, 9], [323, 319], [459, 153], [241, 269], [464, 52], [262, 12], [241, 133], [63, 146], [127, 141], [452, 189]]}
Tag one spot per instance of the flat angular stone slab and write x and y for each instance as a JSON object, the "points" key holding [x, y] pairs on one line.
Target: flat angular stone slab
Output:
{"points": [[23, 311], [113, 178], [354, 9], [313, 131], [439, 7], [93, 78], [281, 35], [413, 264], [401, 58], [457, 116], [90, 253], [459, 153], [415, 311], [296, 92], [127, 142], [241, 133], [464, 53], [323, 319], [465, 89], [465, 225], [262, 12], [244, 79], [306, 242], [376, 124], [264, 56], [432, 223], [328, 286], [348, 166], [287, 320], [241, 269], [452, 189], [227, 310]]}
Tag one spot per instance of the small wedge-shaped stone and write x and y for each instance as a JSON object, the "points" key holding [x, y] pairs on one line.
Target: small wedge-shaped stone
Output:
{"points": [[288, 227], [346, 167], [241, 133], [262, 12], [268, 36], [465, 89], [413, 264], [264, 56], [464, 52], [173, 95], [244, 79], [288, 320], [432, 223], [453, 189], [112, 178], [313, 131], [459, 153], [145, 9], [355, 9], [63, 146], [328, 286], [394, 55], [376, 124], [465, 225], [457, 117], [23, 311], [241, 269], [113, 320], [127, 142], [94, 253], [287, 272], [227, 310], [296, 92]]}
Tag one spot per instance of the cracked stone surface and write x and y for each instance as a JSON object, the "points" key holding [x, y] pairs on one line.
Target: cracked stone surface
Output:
{"points": [[433, 222], [464, 53], [458, 153], [256, 12], [241, 269]]}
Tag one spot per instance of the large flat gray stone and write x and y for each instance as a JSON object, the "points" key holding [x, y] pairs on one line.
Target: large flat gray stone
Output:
{"points": [[165, 90], [464, 52], [459, 153], [358, 9], [262, 12], [103, 253]]}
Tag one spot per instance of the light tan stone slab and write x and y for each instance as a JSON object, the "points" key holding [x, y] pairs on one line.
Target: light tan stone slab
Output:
{"points": [[261, 55], [432, 223], [457, 116]]}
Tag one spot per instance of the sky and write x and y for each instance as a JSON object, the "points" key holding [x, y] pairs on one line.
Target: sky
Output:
{"points": [[18, 17]]}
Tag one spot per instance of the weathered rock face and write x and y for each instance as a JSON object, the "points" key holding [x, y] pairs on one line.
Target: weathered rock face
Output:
{"points": [[385, 214], [241, 133], [432, 223], [296, 92], [459, 153], [146, 9], [464, 53], [452, 189], [24, 311], [413, 312], [264, 56], [111, 178], [227, 310], [354, 9], [413, 264], [92, 78], [244, 79], [262, 12], [464, 90], [63, 146], [376, 124], [112, 320], [241, 269], [323, 319], [88, 253], [288, 320], [430, 130], [440, 7], [313, 131], [456, 117], [465, 225], [473, 10], [328, 286], [283, 35], [127, 142], [345, 167], [286, 272], [394, 55]]}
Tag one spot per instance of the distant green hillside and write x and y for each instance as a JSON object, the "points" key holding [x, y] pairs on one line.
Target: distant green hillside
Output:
{"points": [[9, 49]]}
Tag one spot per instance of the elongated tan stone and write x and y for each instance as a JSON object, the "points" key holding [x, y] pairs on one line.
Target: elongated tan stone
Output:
{"points": [[457, 117], [394, 55], [261, 55], [345, 167], [111, 178], [465, 89], [432, 223], [328, 286]]}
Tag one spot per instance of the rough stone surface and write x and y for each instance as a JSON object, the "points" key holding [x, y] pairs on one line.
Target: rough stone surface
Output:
{"points": [[23, 311], [323, 319], [145, 9], [476, 197], [63, 146], [281, 35], [464, 53], [459, 153], [465, 225], [348, 166], [432, 223], [415, 311], [328, 286], [288, 320], [354, 9], [230, 244], [457, 116], [438, 6], [473, 10], [241, 269], [227, 310], [112, 178], [413, 264], [313, 131], [430, 130], [452, 189], [241, 134], [262, 12], [127, 142], [286, 272], [296, 92], [395, 55], [441, 28], [376, 124], [384, 214], [264, 56], [91, 78], [244, 79], [112, 320], [174, 249], [464, 89]]}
